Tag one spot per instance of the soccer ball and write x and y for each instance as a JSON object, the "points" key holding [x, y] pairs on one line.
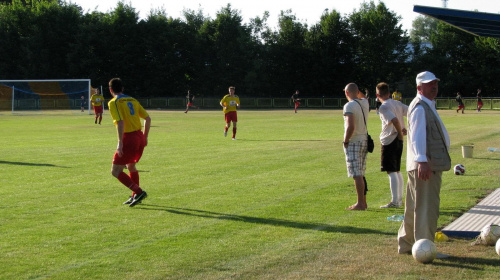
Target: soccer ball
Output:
{"points": [[497, 247], [459, 169], [490, 234], [424, 251]]}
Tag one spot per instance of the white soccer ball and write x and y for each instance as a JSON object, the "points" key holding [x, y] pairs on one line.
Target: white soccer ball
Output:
{"points": [[490, 234], [459, 169], [424, 251], [497, 247]]}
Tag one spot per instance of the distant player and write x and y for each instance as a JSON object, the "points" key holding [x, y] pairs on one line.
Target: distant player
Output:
{"points": [[479, 100], [97, 99], [397, 95], [460, 101], [127, 113], [190, 99], [296, 100], [82, 103], [230, 103]]}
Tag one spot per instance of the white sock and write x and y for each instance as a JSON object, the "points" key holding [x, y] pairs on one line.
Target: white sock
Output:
{"points": [[393, 183], [401, 184]]}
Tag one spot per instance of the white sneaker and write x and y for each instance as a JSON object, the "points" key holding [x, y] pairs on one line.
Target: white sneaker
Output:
{"points": [[390, 205], [234, 138]]}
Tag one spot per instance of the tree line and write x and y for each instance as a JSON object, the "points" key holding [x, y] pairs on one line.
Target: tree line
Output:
{"points": [[162, 56]]}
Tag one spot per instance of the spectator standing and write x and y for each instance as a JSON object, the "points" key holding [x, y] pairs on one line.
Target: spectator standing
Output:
{"points": [[391, 140], [355, 142], [427, 158]]}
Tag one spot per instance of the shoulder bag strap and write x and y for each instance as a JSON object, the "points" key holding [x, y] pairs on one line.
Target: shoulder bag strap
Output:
{"points": [[363, 115]]}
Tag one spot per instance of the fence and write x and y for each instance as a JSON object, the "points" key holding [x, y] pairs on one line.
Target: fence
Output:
{"points": [[246, 103]]}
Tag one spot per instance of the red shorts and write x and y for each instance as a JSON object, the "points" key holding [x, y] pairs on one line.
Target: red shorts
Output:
{"points": [[98, 109], [190, 104], [231, 117], [133, 146], [461, 106], [480, 104]]}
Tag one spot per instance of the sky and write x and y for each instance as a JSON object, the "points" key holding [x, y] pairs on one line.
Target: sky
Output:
{"points": [[306, 11]]}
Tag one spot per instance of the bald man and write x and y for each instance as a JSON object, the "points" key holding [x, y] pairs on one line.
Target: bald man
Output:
{"points": [[355, 142]]}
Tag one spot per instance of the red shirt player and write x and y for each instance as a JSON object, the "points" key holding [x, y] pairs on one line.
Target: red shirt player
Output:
{"points": [[296, 99]]}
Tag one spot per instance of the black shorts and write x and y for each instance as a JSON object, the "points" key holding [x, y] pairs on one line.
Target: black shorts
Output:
{"points": [[391, 156]]}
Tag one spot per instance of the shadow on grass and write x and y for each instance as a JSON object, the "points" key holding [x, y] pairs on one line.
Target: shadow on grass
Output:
{"points": [[279, 140], [487, 158], [29, 164], [467, 263], [262, 221]]}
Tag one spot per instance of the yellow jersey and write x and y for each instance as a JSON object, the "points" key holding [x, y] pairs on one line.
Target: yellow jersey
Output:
{"points": [[97, 100], [129, 110], [397, 96], [230, 102]]}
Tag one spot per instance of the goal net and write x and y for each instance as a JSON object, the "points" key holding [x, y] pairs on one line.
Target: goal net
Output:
{"points": [[29, 95]]}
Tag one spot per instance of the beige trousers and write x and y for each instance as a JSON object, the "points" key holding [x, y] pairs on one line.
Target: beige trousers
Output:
{"points": [[421, 210]]}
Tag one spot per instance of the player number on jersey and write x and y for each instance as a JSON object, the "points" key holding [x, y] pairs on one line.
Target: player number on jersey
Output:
{"points": [[131, 107]]}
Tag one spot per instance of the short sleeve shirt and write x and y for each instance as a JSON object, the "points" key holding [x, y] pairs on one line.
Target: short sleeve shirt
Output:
{"points": [[230, 103], [397, 96], [352, 107], [389, 110], [97, 100], [129, 110]]}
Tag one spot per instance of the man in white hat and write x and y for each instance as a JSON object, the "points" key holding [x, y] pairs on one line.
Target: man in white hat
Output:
{"points": [[427, 158]]}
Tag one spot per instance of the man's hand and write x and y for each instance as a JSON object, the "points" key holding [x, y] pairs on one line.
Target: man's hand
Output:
{"points": [[424, 171], [119, 149]]}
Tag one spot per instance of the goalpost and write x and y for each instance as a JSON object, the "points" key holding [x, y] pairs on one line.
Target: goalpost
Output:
{"points": [[26, 95]]}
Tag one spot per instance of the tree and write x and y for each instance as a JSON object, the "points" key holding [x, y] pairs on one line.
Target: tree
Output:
{"points": [[331, 45], [422, 28], [380, 47], [462, 61], [227, 51], [39, 43], [287, 57]]}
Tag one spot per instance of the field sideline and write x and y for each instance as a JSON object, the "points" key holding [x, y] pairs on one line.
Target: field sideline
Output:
{"points": [[267, 206]]}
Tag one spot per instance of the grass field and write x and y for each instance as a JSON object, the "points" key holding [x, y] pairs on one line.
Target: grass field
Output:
{"points": [[267, 206]]}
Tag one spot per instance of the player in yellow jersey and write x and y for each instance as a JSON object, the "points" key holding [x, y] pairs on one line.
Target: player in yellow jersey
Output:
{"points": [[97, 99], [230, 103], [397, 95], [127, 112]]}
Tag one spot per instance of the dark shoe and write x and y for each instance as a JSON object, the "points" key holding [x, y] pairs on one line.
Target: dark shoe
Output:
{"points": [[138, 198], [130, 199]]}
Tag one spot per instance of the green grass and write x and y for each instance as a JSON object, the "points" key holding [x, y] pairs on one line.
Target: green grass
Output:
{"points": [[268, 206]]}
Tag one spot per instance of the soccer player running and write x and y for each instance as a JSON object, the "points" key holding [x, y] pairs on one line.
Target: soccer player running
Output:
{"points": [[190, 99], [97, 99], [460, 101], [127, 113], [479, 100], [391, 137], [296, 100], [230, 103]]}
